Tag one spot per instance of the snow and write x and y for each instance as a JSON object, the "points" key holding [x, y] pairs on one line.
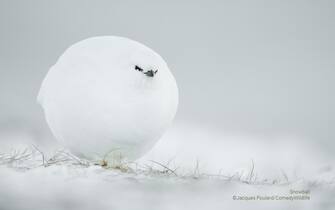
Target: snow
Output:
{"points": [[228, 165], [63, 187]]}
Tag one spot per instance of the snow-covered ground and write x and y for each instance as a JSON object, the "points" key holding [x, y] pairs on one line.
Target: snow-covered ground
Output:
{"points": [[192, 167], [59, 187]]}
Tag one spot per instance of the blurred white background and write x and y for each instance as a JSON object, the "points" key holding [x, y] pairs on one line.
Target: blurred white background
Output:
{"points": [[255, 77]]}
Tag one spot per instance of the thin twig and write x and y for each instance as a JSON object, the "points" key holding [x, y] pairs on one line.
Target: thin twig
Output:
{"points": [[167, 168]]}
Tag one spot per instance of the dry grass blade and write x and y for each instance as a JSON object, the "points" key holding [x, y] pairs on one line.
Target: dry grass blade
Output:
{"points": [[166, 167], [42, 154], [33, 158]]}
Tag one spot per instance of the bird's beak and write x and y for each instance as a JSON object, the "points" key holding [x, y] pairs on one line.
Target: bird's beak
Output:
{"points": [[150, 73]]}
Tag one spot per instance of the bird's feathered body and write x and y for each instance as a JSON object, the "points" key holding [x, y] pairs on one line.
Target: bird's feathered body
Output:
{"points": [[96, 101]]}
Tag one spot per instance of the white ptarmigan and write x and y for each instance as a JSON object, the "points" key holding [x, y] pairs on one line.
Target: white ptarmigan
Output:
{"points": [[108, 94]]}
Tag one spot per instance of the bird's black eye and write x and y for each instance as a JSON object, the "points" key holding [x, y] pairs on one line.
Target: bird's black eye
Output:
{"points": [[138, 68]]}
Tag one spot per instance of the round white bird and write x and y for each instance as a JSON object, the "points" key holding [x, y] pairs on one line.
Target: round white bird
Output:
{"points": [[109, 94]]}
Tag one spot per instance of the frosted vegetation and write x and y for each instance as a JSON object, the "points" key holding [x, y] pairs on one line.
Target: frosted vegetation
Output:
{"points": [[190, 168], [63, 181]]}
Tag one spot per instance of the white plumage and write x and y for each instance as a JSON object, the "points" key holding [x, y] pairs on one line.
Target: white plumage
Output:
{"points": [[109, 94]]}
